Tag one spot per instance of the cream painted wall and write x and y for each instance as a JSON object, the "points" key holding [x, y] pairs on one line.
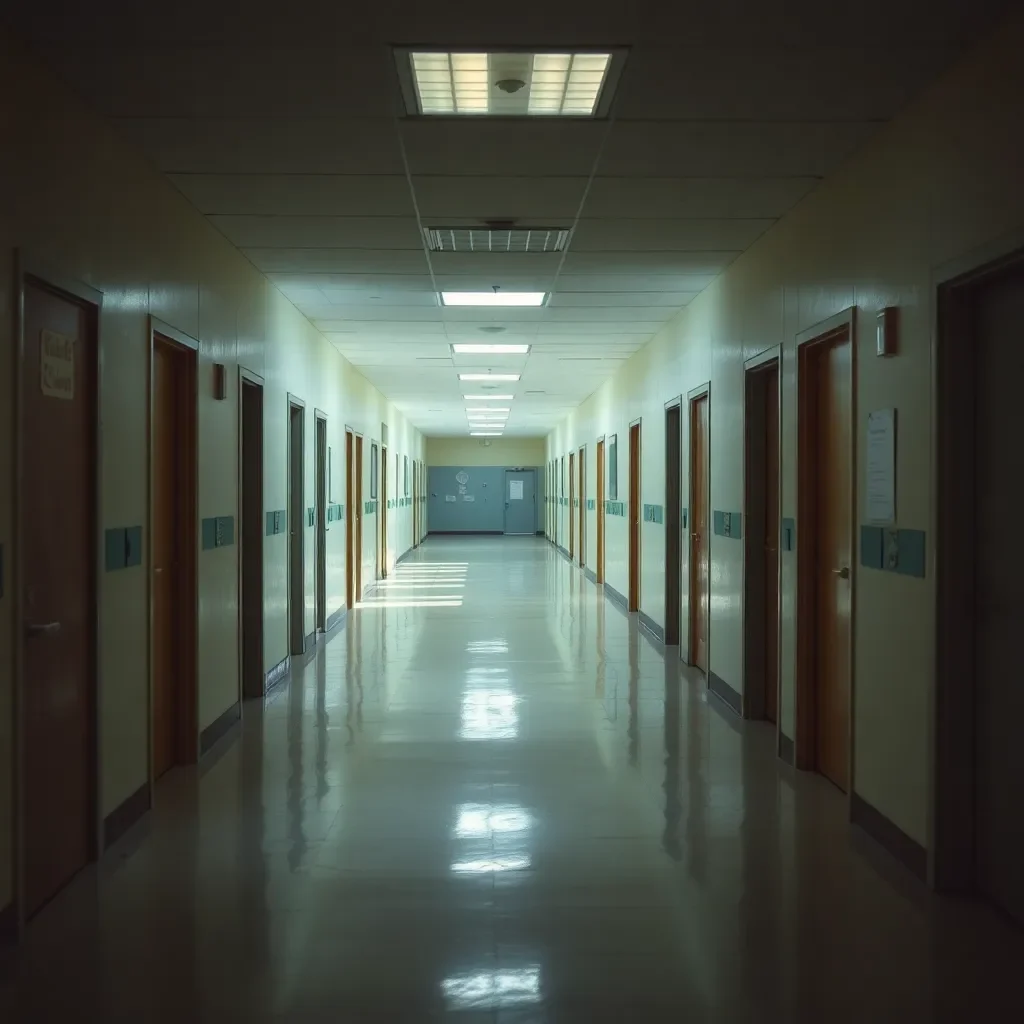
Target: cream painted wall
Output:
{"points": [[77, 200], [939, 183], [502, 451]]}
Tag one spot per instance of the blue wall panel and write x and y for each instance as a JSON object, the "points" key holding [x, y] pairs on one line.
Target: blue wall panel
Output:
{"points": [[485, 513]]}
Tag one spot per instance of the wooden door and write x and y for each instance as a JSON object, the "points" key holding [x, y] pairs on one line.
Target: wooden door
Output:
{"points": [[634, 517], [382, 512], [350, 521], [252, 535], [58, 542], [770, 542], [673, 524], [296, 528], [583, 506], [358, 557], [825, 554], [172, 650], [600, 511], [321, 523], [700, 540], [572, 505], [999, 597]]}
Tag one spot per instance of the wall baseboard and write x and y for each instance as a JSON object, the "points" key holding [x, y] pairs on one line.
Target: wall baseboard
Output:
{"points": [[466, 533], [590, 574], [787, 749], [218, 728], [8, 923], [651, 627], [721, 689], [909, 852], [126, 814], [276, 675], [619, 599], [334, 619], [540, 533]]}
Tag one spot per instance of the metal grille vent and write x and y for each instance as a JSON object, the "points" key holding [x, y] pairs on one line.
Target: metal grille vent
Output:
{"points": [[496, 240]]}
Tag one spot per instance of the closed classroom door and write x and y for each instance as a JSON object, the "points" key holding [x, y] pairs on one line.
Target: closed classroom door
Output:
{"points": [[520, 502]]}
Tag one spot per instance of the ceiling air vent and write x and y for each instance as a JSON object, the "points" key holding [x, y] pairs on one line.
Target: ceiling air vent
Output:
{"points": [[495, 239]]}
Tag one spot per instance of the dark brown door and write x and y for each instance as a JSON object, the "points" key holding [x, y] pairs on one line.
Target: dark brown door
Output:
{"points": [[600, 511], [634, 517], [572, 505], [673, 524], [252, 534], [321, 523], [382, 513], [58, 502], [296, 529], [826, 489], [999, 596], [350, 521], [173, 554], [583, 506], [761, 542], [358, 557], [700, 541]]}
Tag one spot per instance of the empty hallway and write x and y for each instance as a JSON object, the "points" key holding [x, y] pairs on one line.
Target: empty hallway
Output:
{"points": [[489, 797]]}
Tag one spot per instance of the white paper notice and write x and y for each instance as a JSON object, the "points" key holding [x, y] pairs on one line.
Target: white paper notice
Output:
{"points": [[515, 490], [469, 497], [881, 467], [449, 497]]}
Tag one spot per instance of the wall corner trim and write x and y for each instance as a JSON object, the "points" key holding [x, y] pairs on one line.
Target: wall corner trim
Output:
{"points": [[125, 815], [651, 627], [909, 852], [275, 675], [721, 689], [219, 727]]}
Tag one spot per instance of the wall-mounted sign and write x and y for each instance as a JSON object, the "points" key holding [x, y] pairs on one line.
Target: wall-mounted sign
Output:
{"points": [[57, 365]]}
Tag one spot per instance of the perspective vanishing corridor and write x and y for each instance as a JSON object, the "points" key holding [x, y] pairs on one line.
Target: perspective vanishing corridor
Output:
{"points": [[488, 797]]}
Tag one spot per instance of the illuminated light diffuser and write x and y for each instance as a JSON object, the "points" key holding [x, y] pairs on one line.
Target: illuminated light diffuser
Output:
{"points": [[489, 376], [503, 350], [488, 398], [498, 298], [485, 433]]}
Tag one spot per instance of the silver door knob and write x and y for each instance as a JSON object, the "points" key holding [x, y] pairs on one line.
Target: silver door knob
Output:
{"points": [[843, 573], [41, 628]]}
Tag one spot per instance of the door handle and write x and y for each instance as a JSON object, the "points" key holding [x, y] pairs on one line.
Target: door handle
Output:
{"points": [[41, 628], [843, 573], [695, 535]]}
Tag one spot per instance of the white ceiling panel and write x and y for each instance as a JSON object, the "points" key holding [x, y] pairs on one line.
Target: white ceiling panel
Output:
{"points": [[654, 264], [502, 148], [336, 261], [298, 144], [276, 195], [539, 201], [513, 264], [600, 300], [696, 197], [659, 235], [724, 149], [376, 284], [287, 232]]}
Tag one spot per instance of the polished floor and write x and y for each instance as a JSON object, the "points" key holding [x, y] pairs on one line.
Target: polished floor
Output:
{"points": [[489, 798]]}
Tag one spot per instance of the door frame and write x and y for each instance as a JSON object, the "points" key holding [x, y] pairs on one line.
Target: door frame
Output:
{"points": [[686, 651], [581, 477], [805, 743], [28, 270], [753, 699], [294, 402], [320, 522], [350, 526], [951, 806], [572, 505], [189, 713], [382, 509], [636, 530], [248, 376], [677, 405], [599, 499], [357, 469]]}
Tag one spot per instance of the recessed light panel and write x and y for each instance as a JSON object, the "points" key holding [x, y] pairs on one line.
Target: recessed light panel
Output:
{"points": [[488, 398], [503, 350], [509, 83], [489, 376], [493, 411], [493, 298], [485, 433]]}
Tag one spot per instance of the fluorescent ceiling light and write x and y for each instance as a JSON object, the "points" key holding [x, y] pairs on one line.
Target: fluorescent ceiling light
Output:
{"points": [[505, 350], [485, 433], [498, 298], [489, 376], [488, 398], [509, 83], [487, 411]]}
